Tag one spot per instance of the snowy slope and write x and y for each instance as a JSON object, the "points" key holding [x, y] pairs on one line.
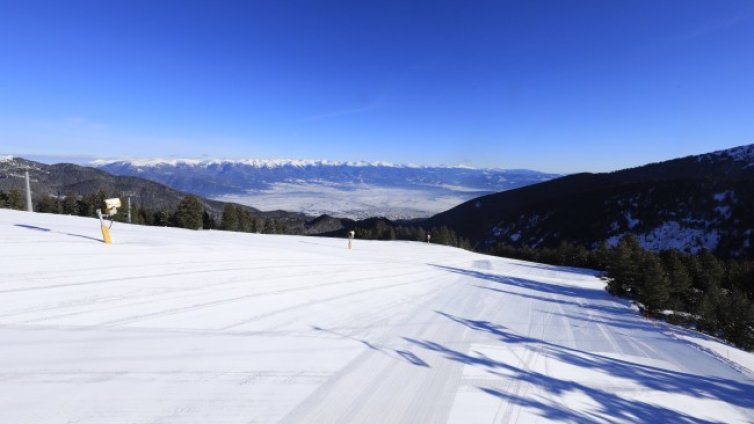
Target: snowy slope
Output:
{"points": [[176, 326]]}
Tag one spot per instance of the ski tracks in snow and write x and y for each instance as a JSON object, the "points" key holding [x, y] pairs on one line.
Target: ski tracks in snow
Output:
{"points": [[238, 328]]}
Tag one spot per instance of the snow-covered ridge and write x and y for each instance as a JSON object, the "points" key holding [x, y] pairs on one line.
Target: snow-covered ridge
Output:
{"points": [[738, 154], [262, 163], [6, 158]]}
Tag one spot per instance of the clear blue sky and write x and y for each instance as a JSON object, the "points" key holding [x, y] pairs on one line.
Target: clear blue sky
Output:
{"points": [[551, 85]]}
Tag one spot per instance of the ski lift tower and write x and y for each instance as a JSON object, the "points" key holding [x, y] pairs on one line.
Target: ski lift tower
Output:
{"points": [[128, 195], [26, 169]]}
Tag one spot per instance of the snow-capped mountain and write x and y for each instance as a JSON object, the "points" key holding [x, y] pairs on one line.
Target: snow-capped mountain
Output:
{"points": [[351, 189]]}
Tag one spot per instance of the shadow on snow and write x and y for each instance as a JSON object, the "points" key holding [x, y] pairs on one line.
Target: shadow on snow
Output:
{"points": [[611, 406], [405, 355], [47, 230]]}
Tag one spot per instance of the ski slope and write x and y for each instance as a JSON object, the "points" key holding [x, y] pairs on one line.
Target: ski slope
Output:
{"points": [[176, 326]]}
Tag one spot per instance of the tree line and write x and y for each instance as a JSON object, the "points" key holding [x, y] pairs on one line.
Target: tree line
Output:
{"points": [[382, 229], [713, 295], [236, 218], [189, 213]]}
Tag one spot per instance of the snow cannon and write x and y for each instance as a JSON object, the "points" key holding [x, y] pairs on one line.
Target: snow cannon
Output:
{"points": [[111, 208], [112, 205]]}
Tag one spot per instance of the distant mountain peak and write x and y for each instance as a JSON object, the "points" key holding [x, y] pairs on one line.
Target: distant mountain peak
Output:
{"points": [[264, 163]]}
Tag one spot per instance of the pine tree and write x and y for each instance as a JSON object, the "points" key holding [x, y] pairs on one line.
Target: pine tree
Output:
{"points": [[623, 269], [188, 214], [70, 204], [709, 272], [16, 200], [269, 226], [230, 218], [736, 319], [48, 204], [680, 280], [162, 218], [709, 310], [208, 223], [654, 288]]}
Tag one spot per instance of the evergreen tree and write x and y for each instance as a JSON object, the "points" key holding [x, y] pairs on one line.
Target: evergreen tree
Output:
{"points": [[624, 267], [269, 226], [230, 218], [736, 319], [208, 223], [188, 213], [680, 280], [709, 272], [162, 218], [282, 227], [48, 204], [245, 220], [709, 311], [142, 217], [70, 204], [654, 290], [16, 200]]}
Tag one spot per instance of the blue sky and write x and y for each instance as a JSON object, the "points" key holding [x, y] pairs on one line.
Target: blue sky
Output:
{"points": [[560, 86]]}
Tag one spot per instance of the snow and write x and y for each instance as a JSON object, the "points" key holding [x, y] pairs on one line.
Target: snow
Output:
{"points": [[673, 235], [727, 194], [261, 163], [6, 158], [170, 325], [738, 154], [723, 211], [735, 357], [630, 221]]}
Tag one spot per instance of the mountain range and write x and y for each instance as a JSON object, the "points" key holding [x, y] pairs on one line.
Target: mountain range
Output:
{"points": [[64, 178], [344, 189], [691, 203]]}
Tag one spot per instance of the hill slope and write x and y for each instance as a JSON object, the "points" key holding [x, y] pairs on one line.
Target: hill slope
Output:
{"points": [[182, 326], [690, 203]]}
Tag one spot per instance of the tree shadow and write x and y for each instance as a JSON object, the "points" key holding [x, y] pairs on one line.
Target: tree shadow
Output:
{"points": [[616, 310], [612, 322], [405, 355], [610, 405], [571, 269], [586, 293]]}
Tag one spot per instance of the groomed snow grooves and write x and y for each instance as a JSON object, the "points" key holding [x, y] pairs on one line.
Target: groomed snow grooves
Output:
{"points": [[176, 326]]}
